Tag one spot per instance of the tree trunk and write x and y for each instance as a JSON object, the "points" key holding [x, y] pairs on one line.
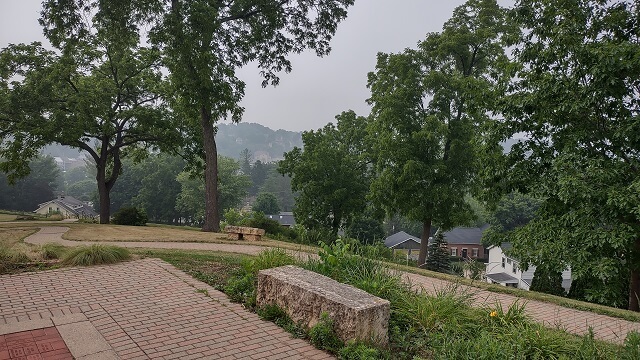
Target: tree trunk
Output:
{"points": [[634, 285], [424, 242], [211, 218], [105, 201]]}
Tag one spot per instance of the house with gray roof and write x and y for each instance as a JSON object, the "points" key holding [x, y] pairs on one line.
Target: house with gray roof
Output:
{"points": [[69, 207]]}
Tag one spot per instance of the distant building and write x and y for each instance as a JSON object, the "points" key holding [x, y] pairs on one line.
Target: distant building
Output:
{"points": [[403, 241], [466, 242], [285, 218], [68, 206], [504, 270]]}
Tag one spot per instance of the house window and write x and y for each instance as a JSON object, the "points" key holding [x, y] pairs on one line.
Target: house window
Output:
{"points": [[474, 252], [454, 251], [503, 261], [508, 261], [515, 267], [50, 209]]}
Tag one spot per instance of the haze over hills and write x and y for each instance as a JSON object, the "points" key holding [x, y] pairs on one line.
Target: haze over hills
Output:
{"points": [[265, 144]]}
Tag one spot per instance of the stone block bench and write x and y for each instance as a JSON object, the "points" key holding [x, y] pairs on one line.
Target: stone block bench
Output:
{"points": [[243, 233], [305, 295]]}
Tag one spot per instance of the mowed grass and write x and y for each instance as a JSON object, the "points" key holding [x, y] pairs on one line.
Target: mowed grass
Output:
{"points": [[7, 217], [97, 232]]}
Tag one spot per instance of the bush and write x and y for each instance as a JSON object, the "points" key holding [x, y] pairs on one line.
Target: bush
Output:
{"points": [[52, 251], [359, 351], [324, 337], [242, 287], [95, 255], [130, 216], [9, 258], [278, 316]]}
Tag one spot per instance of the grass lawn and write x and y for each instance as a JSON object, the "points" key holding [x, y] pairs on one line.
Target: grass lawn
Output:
{"points": [[97, 232], [7, 217], [213, 268]]}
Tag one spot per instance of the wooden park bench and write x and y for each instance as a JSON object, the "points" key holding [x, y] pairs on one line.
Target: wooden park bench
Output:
{"points": [[243, 233], [305, 295]]}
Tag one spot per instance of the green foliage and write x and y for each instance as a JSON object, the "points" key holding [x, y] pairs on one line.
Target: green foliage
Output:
{"points": [[242, 286], [38, 186], [266, 203], [323, 336], [573, 99], [203, 44], [52, 251], [130, 216], [232, 188], [280, 186], [438, 258], [99, 90], [259, 220], [95, 255], [268, 259], [547, 281], [331, 174], [514, 210], [278, 316], [359, 351], [366, 230], [430, 107]]}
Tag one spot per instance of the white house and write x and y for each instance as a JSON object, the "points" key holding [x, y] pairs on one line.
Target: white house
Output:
{"points": [[68, 206], [505, 270]]}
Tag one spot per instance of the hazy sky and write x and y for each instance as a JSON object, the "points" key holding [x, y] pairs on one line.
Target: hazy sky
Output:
{"points": [[318, 88]]}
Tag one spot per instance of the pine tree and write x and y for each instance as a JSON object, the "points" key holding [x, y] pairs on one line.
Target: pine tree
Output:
{"points": [[438, 256]]}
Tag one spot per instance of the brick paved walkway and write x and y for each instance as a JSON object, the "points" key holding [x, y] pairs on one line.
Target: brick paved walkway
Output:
{"points": [[147, 309], [574, 321], [40, 344]]}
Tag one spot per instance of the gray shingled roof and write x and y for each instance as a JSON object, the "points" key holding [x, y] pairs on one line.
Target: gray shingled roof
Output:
{"points": [[503, 278], [73, 205], [465, 235], [402, 240]]}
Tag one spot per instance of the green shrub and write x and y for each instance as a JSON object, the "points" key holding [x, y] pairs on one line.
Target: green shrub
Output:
{"points": [[87, 220], [242, 289], [631, 346], [359, 351], [10, 258], [323, 336], [270, 226], [278, 316], [95, 254], [268, 259], [52, 251], [130, 216]]}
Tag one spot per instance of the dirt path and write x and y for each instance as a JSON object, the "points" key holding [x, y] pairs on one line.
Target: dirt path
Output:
{"points": [[574, 321]]}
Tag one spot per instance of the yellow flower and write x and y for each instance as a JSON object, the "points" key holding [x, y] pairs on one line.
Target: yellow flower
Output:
{"points": [[493, 313]]}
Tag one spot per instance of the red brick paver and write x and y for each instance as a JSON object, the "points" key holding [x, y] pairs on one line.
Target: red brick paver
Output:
{"points": [[40, 344], [147, 309], [574, 321]]}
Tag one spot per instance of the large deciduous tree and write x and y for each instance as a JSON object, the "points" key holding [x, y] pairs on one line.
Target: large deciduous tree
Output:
{"points": [[99, 91], [233, 187], [429, 107], [331, 174], [575, 100], [204, 42]]}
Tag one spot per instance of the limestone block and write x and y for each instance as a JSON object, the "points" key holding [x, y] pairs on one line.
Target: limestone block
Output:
{"points": [[305, 295], [243, 230]]}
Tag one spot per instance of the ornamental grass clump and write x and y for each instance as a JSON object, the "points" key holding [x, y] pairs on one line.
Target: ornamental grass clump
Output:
{"points": [[95, 255], [52, 251]]}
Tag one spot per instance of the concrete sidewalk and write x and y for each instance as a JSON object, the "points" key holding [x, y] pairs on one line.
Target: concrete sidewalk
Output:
{"points": [[574, 321], [144, 309]]}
